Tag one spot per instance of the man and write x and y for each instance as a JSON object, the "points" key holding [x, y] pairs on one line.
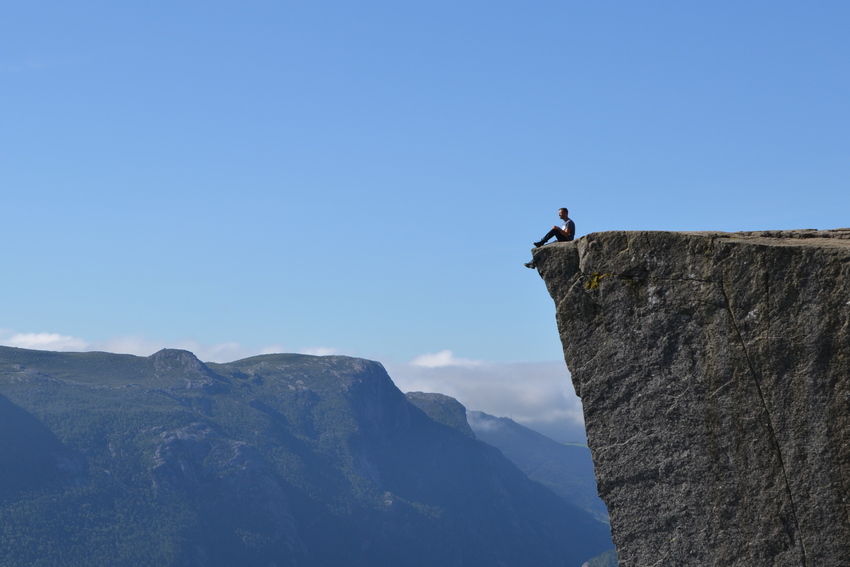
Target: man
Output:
{"points": [[564, 233], [561, 233]]}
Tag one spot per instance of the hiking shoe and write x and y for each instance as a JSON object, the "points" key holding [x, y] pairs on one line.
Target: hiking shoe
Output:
{"points": [[539, 243], [530, 265]]}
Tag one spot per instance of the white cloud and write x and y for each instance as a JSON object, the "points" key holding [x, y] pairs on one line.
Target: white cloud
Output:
{"points": [[321, 351], [484, 424], [539, 395], [442, 359], [45, 341]]}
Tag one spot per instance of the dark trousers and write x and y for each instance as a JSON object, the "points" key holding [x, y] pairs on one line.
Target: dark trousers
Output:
{"points": [[556, 234]]}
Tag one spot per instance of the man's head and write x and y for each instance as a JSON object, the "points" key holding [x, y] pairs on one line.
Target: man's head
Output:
{"points": [[563, 213]]}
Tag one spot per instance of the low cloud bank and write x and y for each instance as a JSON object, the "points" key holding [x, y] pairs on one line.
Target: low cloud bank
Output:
{"points": [[43, 341], [538, 395]]}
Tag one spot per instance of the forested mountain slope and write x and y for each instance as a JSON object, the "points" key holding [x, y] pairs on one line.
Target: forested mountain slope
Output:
{"points": [[285, 460]]}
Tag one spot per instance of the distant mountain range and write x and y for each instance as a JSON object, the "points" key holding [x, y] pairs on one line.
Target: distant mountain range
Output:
{"points": [[566, 469], [275, 460]]}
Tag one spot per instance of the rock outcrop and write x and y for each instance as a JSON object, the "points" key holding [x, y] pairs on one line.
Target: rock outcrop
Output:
{"points": [[714, 371], [442, 409]]}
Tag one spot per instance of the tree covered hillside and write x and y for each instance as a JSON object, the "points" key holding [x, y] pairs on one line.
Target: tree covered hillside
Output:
{"points": [[285, 460]]}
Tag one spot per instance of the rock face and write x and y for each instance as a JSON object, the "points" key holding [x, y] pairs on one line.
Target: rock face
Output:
{"points": [[714, 371], [442, 409]]}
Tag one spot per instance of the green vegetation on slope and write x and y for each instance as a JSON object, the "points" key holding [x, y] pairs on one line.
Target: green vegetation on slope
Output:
{"points": [[566, 469], [279, 459]]}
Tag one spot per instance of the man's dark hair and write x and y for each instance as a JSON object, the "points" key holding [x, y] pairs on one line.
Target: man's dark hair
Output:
{"points": [[564, 209]]}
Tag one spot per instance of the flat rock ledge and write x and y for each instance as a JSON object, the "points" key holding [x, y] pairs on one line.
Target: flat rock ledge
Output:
{"points": [[714, 372]]}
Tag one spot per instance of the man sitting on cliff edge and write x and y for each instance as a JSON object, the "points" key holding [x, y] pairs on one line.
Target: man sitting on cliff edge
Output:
{"points": [[561, 233]]}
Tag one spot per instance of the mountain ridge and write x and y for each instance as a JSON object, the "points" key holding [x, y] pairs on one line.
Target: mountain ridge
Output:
{"points": [[566, 469], [271, 460]]}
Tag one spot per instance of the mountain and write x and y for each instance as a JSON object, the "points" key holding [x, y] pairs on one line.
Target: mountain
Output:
{"points": [[566, 469], [714, 373], [275, 460], [442, 409]]}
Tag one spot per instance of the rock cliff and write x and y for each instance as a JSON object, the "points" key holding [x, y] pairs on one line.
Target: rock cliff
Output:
{"points": [[714, 371]]}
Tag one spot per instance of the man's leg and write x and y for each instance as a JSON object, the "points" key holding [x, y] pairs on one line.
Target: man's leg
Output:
{"points": [[549, 235]]}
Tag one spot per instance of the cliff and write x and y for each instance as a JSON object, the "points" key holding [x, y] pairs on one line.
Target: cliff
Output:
{"points": [[442, 409], [714, 371]]}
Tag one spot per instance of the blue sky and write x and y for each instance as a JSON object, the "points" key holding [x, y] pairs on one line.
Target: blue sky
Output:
{"points": [[367, 177]]}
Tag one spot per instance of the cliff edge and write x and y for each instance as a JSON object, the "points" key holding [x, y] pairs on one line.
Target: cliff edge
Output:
{"points": [[714, 371]]}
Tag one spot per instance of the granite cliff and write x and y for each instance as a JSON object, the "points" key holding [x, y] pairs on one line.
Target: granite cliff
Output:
{"points": [[714, 371]]}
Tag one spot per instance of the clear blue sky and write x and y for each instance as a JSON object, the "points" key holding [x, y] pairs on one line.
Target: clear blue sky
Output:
{"points": [[368, 177]]}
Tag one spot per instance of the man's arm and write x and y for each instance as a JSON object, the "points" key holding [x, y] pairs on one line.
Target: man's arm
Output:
{"points": [[569, 233]]}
